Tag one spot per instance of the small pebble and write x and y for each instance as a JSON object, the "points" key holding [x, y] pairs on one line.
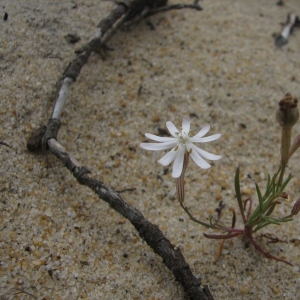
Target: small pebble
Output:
{"points": [[50, 283]]}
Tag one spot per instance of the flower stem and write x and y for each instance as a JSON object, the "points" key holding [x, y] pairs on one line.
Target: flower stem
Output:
{"points": [[180, 179], [195, 220], [286, 136]]}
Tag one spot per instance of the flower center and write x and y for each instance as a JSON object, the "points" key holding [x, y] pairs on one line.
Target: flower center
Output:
{"points": [[183, 138]]}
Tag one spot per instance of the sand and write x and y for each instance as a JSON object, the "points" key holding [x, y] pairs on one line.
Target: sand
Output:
{"points": [[58, 240]]}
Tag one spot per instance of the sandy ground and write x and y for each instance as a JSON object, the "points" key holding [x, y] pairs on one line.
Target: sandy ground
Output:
{"points": [[57, 239]]}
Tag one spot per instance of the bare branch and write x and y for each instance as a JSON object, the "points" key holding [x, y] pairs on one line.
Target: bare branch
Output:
{"points": [[292, 21], [172, 257], [5, 144], [62, 97], [171, 7], [46, 136]]}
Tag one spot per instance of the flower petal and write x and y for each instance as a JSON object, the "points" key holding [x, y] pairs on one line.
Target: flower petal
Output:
{"points": [[203, 131], [178, 163], [186, 123], [172, 129], [205, 139], [206, 154], [158, 146], [158, 138], [200, 162], [168, 158]]}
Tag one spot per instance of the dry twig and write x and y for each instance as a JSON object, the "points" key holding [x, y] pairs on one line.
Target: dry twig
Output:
{"points": [[46, 136], [5, 144], [291, 22]]}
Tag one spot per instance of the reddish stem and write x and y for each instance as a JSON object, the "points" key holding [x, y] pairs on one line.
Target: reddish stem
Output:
{"points": [[248, 233], [249, 209], [217, 227], [222, 236]]}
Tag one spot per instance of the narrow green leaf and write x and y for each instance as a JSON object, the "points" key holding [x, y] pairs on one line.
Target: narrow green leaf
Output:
{"points": [[260, 198], [262, 225], [269, 180], [238, 193], [268, 188], [285, 183], [237, 185], [271, 209], [283, 220], [273, 185], [271, 220]]}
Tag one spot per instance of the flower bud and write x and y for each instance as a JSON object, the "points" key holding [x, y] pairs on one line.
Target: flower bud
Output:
{"points": [[295, 146], [287, 113], [287, 116], [296, 208]]}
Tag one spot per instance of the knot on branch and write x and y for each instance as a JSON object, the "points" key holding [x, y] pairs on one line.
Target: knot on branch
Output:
{"points": [[75, 67], [79, 173], [51, 131]]}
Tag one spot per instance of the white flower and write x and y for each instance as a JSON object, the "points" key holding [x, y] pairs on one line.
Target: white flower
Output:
{"points": [[182, 142]]}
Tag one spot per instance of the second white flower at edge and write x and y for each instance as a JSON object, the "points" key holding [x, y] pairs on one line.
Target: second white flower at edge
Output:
{"points": [[182, 142]]}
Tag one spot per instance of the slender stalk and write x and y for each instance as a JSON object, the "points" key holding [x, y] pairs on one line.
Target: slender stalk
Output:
{"points": [[222, 236], [267, 255], [180, 180], [286, 136], [195, 220], [250, 207], [229, 229]]}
